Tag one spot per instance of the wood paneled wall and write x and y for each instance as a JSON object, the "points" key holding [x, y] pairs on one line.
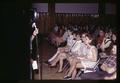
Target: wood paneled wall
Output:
{"points": [[44, 23]]}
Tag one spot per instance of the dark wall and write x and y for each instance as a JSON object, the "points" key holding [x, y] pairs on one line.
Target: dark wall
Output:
{"points": [[15, 45], [43, 23]]}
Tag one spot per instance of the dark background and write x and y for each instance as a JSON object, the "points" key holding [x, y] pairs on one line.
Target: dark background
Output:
{"points": [[14, 57]]}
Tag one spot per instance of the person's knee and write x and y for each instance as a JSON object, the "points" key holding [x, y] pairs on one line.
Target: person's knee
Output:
{"points": [[62, 57], [73, 63], [74, 60]]}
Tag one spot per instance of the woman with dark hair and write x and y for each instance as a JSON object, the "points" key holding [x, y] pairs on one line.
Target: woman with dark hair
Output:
{"points": [[87, 61], [108, 64], [107, 69]]}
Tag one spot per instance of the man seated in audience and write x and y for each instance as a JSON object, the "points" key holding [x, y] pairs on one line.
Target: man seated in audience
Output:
{"points": [[83, 61]]}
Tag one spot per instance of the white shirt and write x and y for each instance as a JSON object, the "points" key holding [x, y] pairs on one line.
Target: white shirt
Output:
{"points": [[105, 44], [82, 50], [70, 41], [56, 28], [89, 51], [65, 36], [75, 49]]}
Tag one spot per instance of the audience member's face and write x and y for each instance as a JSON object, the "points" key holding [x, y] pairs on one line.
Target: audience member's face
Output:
{"points": [[78, 37], [107, 35], [110, 33], [101, 33], [65, 28], [87, 40], [69, 32], [114, 50], [74, 36], [114, 37], [83, 38]]}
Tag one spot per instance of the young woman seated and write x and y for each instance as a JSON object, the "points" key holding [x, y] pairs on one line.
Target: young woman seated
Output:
{"points": [[74, 50], [70, 42], [84, 61], [108, 68]]}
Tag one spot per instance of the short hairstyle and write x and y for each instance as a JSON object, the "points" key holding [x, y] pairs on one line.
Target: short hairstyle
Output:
{"points": [[89, 36]]}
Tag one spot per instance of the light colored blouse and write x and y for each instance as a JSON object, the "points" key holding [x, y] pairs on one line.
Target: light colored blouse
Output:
{"points": [[76, 47], [82, 50], [65, 36], [70, 41], [89, 51]]}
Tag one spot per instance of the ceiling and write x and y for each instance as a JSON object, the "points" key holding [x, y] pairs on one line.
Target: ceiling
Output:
{"points": [[73, 1]]}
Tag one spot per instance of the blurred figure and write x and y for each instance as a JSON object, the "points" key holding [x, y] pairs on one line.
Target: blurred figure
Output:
{"points": [[74, 50], [33, 46], [100, 39], [106, 42], [63, 49]]}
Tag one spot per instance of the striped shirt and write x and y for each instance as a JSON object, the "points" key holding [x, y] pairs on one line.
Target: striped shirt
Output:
{"points": [[110, 61]]}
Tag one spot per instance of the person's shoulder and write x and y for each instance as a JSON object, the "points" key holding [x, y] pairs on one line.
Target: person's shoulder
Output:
{"points": [[82, 44], [93, 47], [80, 41]]}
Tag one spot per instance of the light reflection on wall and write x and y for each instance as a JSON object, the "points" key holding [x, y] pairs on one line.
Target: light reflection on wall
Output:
{"points": [[41, 7], [76, 8]]}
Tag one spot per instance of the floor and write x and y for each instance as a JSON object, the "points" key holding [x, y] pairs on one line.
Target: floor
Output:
{"points": [[46, 51]]}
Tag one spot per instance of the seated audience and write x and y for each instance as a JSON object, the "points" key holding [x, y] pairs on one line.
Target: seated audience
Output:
{"points": [[63, 49], [74, 50], [81, 50]]}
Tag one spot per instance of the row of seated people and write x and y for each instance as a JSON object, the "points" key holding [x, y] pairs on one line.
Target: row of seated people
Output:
{"points": [[58, 34], [83, 49]]}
